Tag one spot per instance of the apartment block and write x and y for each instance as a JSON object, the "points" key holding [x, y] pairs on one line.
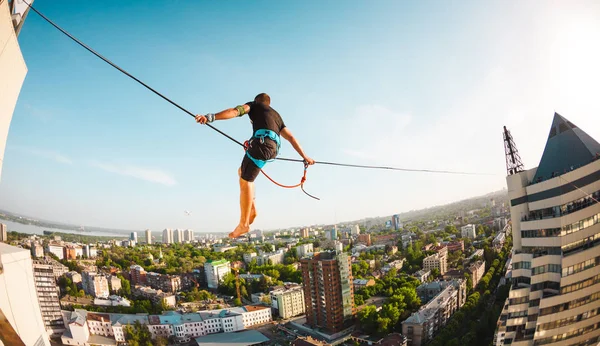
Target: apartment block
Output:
{"points": [[477, 271], [215, 271], [436, 261], [328, 291], [163, 282], [95, 284], [555, 216], [48, 297], [56, 249], [270, 258], [85, 328], [148, 236], [137, 275], [468, 231], [167, 237], [304, 249], [288, 300], [421, 326]]}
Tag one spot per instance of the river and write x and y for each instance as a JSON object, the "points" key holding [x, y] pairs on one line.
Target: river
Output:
{"points": [[33, 229]]}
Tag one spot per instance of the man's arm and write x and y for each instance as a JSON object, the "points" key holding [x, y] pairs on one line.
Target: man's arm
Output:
{"points": [[223, 115], [287, 134]]}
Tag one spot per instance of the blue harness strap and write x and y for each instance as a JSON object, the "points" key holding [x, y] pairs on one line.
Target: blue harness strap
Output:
{"points": [[262, 134]]}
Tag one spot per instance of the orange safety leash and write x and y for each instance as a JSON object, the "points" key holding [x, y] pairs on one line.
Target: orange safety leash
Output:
{"points": [[301, 184]]}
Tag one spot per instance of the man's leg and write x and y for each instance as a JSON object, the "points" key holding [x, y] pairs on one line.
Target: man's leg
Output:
{"points": [[247, 173], [253, 211]]}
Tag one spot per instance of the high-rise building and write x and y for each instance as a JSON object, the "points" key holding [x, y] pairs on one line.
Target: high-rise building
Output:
{"points": [[137, 274], [167, 237], [328, 291], [3, 233], [331, 234], [148, 237], [215, 271], [555, 284], [188, 235], [48, 297], [396, 222], [304, 233], [18, 295], [355, 230], [133, 236], [178, 236]]}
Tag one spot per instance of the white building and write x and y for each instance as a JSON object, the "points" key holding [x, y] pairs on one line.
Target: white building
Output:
{"points": [[18, 297], [55, 249], [188, 235], [148, 237], [47, 295], [436, 261], [3, 229], [304, 249], [37, 250], [555, 216], [167, 237], [95, 284], [249, 256], [215, 271], [355, 230], [87, 328], [468, 231], [289, 301], [270, 258], [178, 236]]}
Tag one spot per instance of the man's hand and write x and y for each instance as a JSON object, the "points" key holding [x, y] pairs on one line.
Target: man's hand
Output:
{"points": [[201, 119], [309, 160]]}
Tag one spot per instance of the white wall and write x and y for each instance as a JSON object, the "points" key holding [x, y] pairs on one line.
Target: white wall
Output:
{"points": [[18, 297], [12, 72]]}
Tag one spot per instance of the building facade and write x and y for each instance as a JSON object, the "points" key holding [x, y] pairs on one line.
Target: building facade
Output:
{"points": [[3, 233], [477, 271], [289, 301], [436, 261], [48, 297], [328, 291], [148, 236], [18, 302], [555, 214], [163, 282], [95, 284], [87, 328], [167, 237], [215, 271], [365, 239], [468, 231], [304, 249], [421, 326], [137, 275]]}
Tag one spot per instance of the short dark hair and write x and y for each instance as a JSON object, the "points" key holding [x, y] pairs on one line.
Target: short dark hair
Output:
{"points": [[263, 98]]}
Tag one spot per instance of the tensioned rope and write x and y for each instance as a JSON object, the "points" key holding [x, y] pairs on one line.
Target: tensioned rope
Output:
{"points": [[100, 56]]}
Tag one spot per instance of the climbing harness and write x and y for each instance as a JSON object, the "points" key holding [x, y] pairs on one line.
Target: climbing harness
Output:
{"points": [[98, 55], [261, 134]]}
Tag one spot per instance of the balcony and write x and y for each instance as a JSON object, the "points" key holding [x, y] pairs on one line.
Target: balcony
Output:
{"points": [[562, 210]]}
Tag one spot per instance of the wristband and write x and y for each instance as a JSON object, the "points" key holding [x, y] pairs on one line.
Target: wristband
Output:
{"points": [[210, 117]]}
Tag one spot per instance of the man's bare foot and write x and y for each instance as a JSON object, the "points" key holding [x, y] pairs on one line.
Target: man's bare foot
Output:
{"points": [[252, 214], [238, 231]]}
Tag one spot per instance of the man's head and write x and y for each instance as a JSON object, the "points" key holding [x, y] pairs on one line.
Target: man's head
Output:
{"points": [[263, 98]]}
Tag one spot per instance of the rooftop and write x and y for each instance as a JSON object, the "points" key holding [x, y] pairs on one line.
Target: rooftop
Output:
{"points": [[217, 262], [567, 148], [243, 338], [429, 309]]}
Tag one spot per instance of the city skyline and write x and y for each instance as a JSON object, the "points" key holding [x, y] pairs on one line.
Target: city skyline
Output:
{"points": [[114, 155]]}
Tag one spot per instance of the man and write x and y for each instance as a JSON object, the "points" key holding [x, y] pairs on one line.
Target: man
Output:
{"points": [[267, 127]]}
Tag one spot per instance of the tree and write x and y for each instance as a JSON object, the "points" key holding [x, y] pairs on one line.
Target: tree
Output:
{"points": [[368, 318], [237, 302], [358, 299], [138, 334], [435, 272], [125, 286], [383, 323]]}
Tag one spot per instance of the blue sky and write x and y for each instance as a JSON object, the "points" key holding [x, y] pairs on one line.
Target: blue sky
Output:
{"points": [[422, 85]]}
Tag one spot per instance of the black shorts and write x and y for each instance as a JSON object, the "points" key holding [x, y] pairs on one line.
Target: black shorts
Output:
{"points": [[260, 151]]}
